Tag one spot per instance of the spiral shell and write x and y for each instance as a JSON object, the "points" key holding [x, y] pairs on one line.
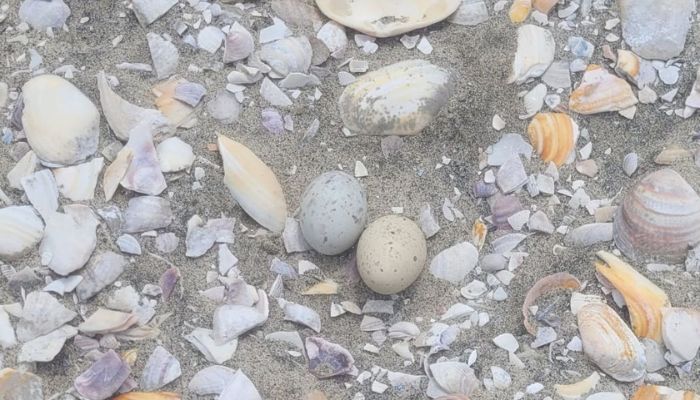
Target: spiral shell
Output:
{"points": [[554, 136], [659, 218], [610, 344], [601, 91]]}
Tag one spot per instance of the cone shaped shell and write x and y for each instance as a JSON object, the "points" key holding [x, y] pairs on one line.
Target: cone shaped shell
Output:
{"points": [[388, 17], [658, 219], [644, 299], [253, 185], [554, 136], [399, 99], [601, 91]]}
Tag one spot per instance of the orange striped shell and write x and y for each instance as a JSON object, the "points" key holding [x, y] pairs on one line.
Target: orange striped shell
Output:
{"points": [[553, 135]]}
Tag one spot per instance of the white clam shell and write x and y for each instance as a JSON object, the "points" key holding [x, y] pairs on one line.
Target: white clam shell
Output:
{"points": [[292, 54], [41, 15], [454, 377], [69, 239], [61, 123], [534, 55], [144, 173], [387, 18], [161, 369], [454, 263], [174, 155], [78, 183], [20, 230], [400, 99], [253, 185]]}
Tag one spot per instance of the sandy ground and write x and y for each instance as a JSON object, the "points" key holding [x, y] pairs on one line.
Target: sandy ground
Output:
{"points": [[480, 59]]}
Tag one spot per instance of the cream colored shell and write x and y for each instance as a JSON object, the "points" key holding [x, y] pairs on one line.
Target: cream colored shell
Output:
{"points": [[385, 18], [391, 254]]}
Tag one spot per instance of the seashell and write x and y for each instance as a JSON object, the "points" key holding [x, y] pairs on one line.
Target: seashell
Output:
{"points": [[201, 237], [100, 272], [123, 299], [176, 112], [389, 18], [659, 218], [579, 389], [168, 281], [544, 6], [238, 44], [511, 175], [274, 95], [653, 392], [211, 380], [534, 100], [144, 173], [451, 378], [148, 396], [284, 56], [601, 91], [146, 213], [41, 190], [20, 231], [123, 116], [519, 10], [174, 155], [103, 378], [233, 320], [454, 263], [589, 234], [148, 11], [107, 321], [253, 185], [403, 331], [484, 190], [116, 171], [18, 385], [41, 314], [673, 154], [210, 38], [554, 136], [128, 244], [69, 239], [240, 387], [302, 315], [164, 54], [680, 331], [628, 65], [644, 299], [78, 183], [327, 359], [45, 348], [190, 93], [8, 339], [693, 99], [399, 99], [630, 163], [24, 167], [61, 123], [161, 369], [502, 207], [534, 55], [610, 344], [326, 287], [559, 280], [167, 242], [224, 107], [202, 340], [293, 238], [42, 15]]}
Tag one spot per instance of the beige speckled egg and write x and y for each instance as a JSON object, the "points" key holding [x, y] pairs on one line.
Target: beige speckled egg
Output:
{"points": [[391, 254]]}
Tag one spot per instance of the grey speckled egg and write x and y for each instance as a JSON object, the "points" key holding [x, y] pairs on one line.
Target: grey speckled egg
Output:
{"points": [[391, 254], [333, 212]]}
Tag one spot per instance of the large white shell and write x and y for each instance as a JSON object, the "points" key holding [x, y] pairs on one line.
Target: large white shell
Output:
{"points": [[41, 314], [454, 263], [69, 239], [292, 54], [534, 55], [174, 155], [78, 183], [41, 14], [399, 99], [233, 320], [61, 123], [161, 369], [387, 18], [123, 116], [211, 380], [20, 230], [253, 185]]}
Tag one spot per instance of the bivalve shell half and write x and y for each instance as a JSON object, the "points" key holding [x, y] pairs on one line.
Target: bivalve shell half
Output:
{"points": [[253, 185], [554, 136], [644, 299], [399, 99], [610, 344], [61, 123], [20, 230], [534, 55], [600, 91], [387, 18], [658, 219]]}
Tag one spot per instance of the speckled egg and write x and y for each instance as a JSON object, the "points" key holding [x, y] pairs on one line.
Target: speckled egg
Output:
{"points": [[333, 212], [391, 254]]}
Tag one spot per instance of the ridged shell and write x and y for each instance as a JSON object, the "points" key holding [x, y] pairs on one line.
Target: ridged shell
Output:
{"points": [[20, 230], [534, 55], [519, 10], [253, 185], [454, 377], [292, 54], [644, 299], [554, 136], [161, 369], [399, 99], [610, 344], [105, 321], [653, 392], [387, 18], [658, 219], [61, 123], [630, 163], [601, 91]]}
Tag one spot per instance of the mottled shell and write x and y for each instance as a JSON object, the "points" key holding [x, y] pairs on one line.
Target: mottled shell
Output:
{"points": [[610, 344], [601, 91], [333, 212], [388, 17], [391, 254], [658, 219], [519, 10], [253, 185], [644, 299], [400, 99], [61, 123], [534, 55], [628, 64], [554, 136]]}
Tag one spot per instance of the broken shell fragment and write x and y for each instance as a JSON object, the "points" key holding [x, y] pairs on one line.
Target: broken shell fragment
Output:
{"points": [[559, 280], [232, 320], [519, 10], [387, 18], [644, 299], [302, 315], [20, 231], [610, 344], [105, 321], [453, 378], [238, 44], [69, 239], [578, 389], [658, 219], [653, 392], [103, 378], [554, 136], [399, 99], [628, 65], [544, 6], [148, 396], [600, 91], [253, 185], [534, 55], [78, 183], [101, 271], [202, 340], [144, 173], [41, 314], [211, 380], [240, 387], [146, 213], [18, 385], [174, 155], [116, 171], [681, 333], [61, 123], [284, 56], [328, 359], [161, 369]]}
